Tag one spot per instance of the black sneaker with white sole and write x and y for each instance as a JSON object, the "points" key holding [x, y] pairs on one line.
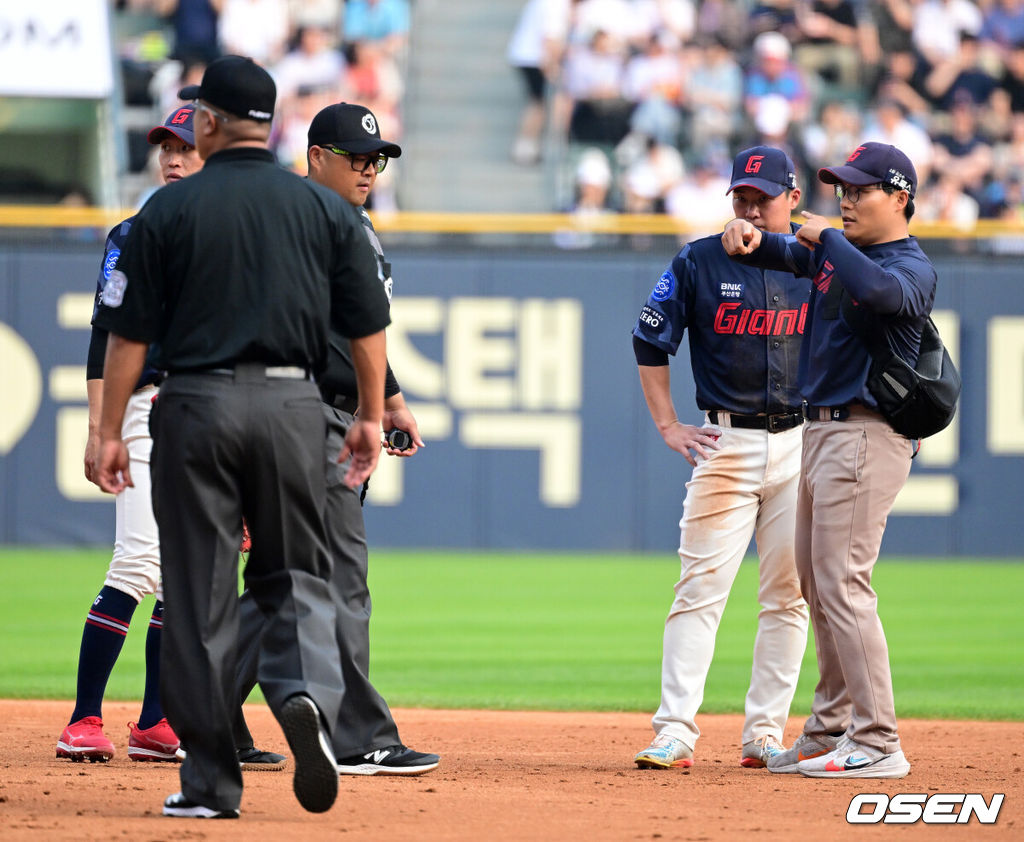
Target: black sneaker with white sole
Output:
{"points": [[391, 760], [316, 776], [178, 805]]}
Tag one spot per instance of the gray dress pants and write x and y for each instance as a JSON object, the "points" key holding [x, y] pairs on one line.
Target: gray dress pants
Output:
{"points": [[364, 722], [227, 446]]}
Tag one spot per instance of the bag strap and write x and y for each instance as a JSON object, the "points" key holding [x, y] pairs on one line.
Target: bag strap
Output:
{"points": [[866, 328]]}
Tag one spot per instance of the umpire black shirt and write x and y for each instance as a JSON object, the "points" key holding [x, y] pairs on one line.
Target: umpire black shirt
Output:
{"points": [[244, 262]]}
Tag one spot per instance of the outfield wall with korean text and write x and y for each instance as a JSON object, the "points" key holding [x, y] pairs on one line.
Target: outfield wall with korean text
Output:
{"points": [[518, 365]]}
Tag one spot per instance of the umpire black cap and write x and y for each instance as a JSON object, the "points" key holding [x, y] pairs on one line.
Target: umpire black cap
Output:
{"points": [[238, 86], [352, 128]]}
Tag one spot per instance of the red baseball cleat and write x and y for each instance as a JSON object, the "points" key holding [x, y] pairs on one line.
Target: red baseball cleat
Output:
{"points": [[156, 744], [85, 739]]}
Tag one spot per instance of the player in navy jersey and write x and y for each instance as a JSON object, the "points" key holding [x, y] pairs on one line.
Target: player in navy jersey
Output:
{"points": [[854, 463], [134, 570], [745, 327]]}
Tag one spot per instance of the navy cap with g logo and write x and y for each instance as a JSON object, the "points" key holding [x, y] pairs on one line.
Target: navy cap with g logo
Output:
{"points": [[874, 163], [178, 124], [765, 168]]}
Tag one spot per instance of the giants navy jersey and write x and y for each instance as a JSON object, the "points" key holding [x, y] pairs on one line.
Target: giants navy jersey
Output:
{"points": [[745, 326], [895, 281], [98, 340]]}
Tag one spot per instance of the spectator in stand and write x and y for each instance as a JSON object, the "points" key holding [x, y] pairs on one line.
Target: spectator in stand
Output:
{"points": [[830, 42], [592, 202], [323, 13], [1003, 25], [195, 24], [593, 81], [1007, 99], [289, 139], [938, 25], [945, 201], [888, 123], [830, 138], [725, 21], [1007, 164], [649, 177], [313, 62], [772, 72], [713, 95], [675, 18], [535, 50], [653, 81], [383, 22], [893, 23], [257, 29], [373, 79], [961, 77], [615, 17], [964, 151], [902, 80], [696, 201], [775, 16]]}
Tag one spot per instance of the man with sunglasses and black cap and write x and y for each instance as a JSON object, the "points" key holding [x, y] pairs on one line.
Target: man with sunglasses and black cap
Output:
{"points": [[346, 154], [854, 463], [233, 276], [744, 329]]}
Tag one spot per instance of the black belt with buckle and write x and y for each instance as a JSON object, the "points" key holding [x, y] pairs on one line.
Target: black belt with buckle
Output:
{"points": [[826, 413], [777, 423], [340, 402]]}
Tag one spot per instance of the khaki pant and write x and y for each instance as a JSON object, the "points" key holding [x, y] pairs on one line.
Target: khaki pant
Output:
{"points": [[851, 473]]}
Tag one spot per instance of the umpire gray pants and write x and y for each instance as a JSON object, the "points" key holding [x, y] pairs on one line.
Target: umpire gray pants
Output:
{"points": [[225, 446], [364, 722]]}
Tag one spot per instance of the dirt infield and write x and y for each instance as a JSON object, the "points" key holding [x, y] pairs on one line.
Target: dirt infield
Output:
{"points": [[503, 776]]}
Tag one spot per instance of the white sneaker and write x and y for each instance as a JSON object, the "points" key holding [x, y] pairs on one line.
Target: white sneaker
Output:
{"points": [[758, 752], [805, 747], [665, 753], [851, 759]]}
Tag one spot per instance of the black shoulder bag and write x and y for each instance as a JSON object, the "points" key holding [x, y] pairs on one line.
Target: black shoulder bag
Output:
{"points": [[917, 401]]}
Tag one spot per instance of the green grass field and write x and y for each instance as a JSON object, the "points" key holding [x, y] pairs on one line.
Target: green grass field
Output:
{"points": [[561, 632]]}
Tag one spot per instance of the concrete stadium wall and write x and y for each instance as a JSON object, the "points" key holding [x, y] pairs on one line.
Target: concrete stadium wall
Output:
{"points": [[519, 368]]}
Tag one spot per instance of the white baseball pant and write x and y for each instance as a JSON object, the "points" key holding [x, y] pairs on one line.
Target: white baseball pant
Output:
{"points": [[749, 487], [135, 566]]}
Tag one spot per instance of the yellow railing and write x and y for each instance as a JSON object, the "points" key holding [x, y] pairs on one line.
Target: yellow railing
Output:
{"points": [[48, 216]]}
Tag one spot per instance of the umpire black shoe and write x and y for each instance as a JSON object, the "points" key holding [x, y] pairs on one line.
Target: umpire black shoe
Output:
{"points": [[256, 760], [178, 805], [393, 760], [316, 775]]}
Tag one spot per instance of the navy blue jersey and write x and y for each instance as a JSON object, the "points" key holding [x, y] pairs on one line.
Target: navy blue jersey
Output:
{"points": [[895, 281], [98, 340], [745, 326]]}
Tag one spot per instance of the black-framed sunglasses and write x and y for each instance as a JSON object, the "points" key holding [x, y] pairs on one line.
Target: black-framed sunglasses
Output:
{"points": [[853, 193], [360, 162]]}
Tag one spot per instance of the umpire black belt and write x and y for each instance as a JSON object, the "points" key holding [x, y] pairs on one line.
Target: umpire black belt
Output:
{"points": [[341, 402], [772, 423], [255, 371]]}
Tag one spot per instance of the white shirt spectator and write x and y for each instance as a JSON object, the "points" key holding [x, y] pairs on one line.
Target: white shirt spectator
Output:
{"points": [[255, 28], [938, 25], [540, 22]]}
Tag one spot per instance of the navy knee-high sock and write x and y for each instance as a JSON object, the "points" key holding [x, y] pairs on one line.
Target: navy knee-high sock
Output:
{"points": [[152, 712], [102, 639]]}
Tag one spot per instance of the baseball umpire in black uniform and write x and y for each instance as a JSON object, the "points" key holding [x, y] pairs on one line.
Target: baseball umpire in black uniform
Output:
{"points": [[233, 279], [346, 153]]}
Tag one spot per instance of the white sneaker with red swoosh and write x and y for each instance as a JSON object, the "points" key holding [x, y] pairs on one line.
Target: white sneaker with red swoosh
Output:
{"points": [[851, 759]]}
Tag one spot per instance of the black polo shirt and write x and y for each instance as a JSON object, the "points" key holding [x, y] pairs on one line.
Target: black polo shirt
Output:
{"points": [[244, 262]]}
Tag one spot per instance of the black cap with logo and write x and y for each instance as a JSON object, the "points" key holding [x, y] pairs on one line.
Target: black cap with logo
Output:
{"points": [[352, 128], [238, 86]]}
